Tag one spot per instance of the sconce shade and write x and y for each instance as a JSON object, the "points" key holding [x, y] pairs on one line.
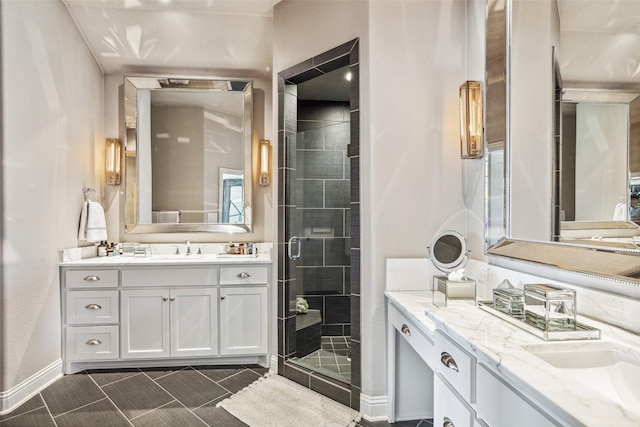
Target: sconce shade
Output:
{"points": [[265, 162], [471, 124], [113, 153]]}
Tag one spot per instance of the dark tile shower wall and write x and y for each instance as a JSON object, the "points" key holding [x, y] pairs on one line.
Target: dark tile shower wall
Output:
{"points": [[322, 205], [346, 54]]}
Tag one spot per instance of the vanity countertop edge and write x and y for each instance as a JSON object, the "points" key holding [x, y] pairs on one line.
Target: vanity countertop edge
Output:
{"points": [[123, 261], [497, 344]]}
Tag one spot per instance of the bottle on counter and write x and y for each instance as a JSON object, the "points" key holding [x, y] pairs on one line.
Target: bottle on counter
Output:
{"points": [[102, 248]]}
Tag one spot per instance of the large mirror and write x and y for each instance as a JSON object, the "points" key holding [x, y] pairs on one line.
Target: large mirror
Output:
{"points": [[188, 153], [572, 149]]}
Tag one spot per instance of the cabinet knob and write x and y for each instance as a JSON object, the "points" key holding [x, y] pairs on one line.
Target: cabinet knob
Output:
{"points": [[91, 278], [222, 297], [243, 275], [93, 307], [447, 422], [172, 298], [405, 329], [447, 360], [94, 342], [165, 298]]}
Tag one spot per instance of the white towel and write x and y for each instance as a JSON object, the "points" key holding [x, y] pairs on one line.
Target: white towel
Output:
{"points": [[166, 217], [620, 212], [93, 226]]}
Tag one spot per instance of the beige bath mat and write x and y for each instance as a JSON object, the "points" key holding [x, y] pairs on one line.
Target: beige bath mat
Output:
{"points": [[274, 401]]}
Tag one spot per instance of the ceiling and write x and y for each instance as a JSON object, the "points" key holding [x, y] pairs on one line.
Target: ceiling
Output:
{"points": [[232, 38]]}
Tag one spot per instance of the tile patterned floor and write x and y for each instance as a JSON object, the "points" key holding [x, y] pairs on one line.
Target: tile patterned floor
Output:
{"points": [[137, 397], [159, 397], [332, 358]]}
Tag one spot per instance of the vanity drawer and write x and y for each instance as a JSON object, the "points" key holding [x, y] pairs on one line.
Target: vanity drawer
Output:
{"points": [[456, 365], [91, 342], [414, 336], [82, 307], [243, 275], [169, 276], [449, 407], [91, 278]]}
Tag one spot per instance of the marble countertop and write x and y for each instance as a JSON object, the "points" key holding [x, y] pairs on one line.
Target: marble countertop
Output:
{"points": [[168, 259], [499, 344]]}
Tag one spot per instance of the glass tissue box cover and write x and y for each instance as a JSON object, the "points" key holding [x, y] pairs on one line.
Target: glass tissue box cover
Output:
{"points": [[509, 301], [447, 291], [550, 308]]}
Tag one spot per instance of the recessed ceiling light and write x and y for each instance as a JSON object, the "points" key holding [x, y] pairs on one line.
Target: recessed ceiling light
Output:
{"points": [[348, 76]]}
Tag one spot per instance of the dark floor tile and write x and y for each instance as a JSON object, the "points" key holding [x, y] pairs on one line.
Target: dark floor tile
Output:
{"points": [[102, 413], [155, 373], [34, 403], [218, 373], [137, 395], [191, 388], [38, 417], [237, 382], [258, 369], [169, 415], [218, 417], [104, 377], [71, 392]]}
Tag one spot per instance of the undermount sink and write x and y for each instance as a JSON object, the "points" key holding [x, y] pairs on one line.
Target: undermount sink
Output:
{"points": [[611, 369]]}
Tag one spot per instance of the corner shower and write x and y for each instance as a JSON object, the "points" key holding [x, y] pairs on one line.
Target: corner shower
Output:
{"points": [[321, 220], [318, 215]]}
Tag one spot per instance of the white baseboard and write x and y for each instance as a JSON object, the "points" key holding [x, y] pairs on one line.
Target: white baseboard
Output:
{"points": [[374, 408], [20, 393]]}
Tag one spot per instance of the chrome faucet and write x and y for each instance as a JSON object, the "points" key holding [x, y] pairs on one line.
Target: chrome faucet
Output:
{"points": [[186, 242]]}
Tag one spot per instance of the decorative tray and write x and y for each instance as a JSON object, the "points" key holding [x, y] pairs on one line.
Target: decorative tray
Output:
{"points": [[582, 331]]}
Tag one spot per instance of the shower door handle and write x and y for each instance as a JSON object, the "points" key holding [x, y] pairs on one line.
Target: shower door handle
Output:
{"points": [[292, 241]]}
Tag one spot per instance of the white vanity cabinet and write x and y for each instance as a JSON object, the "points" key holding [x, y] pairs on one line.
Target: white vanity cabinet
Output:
{"points": [[169, 322], [131, 315], [454, 384], [410, 375], [243, 308]]}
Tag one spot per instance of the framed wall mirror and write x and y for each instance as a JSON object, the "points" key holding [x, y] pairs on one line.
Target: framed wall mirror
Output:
{"points": [[569, 85], [188, 164]]}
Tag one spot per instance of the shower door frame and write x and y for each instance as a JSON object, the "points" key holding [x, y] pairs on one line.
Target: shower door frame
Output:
{"points": [[346, 54]]}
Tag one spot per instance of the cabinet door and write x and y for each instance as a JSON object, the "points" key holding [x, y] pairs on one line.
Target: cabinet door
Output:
{"points": [[243, 320], [194, 322], [145, 323]]}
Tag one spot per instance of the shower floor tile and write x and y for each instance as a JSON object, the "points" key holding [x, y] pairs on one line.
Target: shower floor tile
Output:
{"points": [[333, 357]]}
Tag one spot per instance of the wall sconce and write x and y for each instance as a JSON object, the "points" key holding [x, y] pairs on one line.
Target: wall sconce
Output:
{"points": [[471, 124], [265, 162], [113, 153]]}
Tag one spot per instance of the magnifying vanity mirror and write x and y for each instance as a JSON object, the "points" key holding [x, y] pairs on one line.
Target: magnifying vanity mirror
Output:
{"points": [[188, 154], [559, 183], [448, 251]]}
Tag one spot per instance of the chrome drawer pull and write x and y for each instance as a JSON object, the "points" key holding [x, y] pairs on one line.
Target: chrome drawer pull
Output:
{"points": [[447, 422], [243, 275], [91, 278], [405, 329], [447, 360], [93, 307], [94, 342]]}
